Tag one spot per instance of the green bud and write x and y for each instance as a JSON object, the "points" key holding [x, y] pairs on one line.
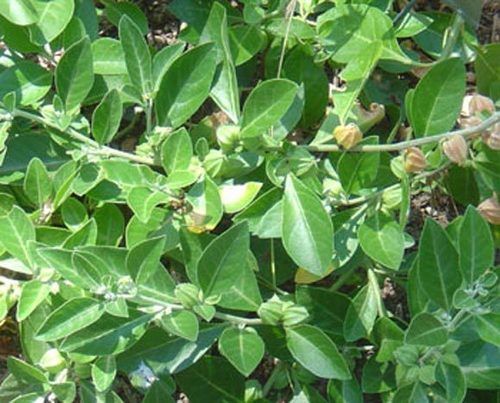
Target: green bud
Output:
{"points": [[294, 315], [213, 300], [228, 137], [188, 295], [271, 311]]}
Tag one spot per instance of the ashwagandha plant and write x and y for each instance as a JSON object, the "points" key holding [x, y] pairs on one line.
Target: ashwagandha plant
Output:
{"points": [[228, 217]]}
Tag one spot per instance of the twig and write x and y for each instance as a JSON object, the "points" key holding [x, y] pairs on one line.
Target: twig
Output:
{"points": [[403, 145], [97, 149]]}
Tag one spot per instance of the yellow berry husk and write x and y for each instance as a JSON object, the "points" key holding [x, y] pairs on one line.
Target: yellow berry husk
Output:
{"points": [[493, 139], [456, 149], [479, 104], [348, 136], [414, 160], [490, 210]]}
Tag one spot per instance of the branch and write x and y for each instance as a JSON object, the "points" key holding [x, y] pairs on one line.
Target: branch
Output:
{"points": [[403, 145], [97, 149]]}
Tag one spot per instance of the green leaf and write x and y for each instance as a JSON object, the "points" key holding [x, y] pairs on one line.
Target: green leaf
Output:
{"points": [[27, 80], [177, 151], [236, 197], [347, 31], [75, 74], [487, 69], [207, 210], [25, 372], [137, 56], [476, 246], [144, 258], [20, 12], [382, 239], [426, 330], [344, 391], [212, 379], [307, 229], [181, 323], [17, 230], [177, 353], [245, 41], [266, 105], [108, 57], [438, 96], [468, 10], [70, 317], [219, 265], [108, 336], [37, 185], [438, 267], [488, 327], [110, 224], [452, 380], [414, 393], [327, 309], [142, 200], [362, 313], [103, 372], [163, 60], [355, 74], [300, 67], [53, 17], [33, 293], [243, 348], [107, 117], [185, 85], [115, 11], [74, 214], [314, 350], [358, 171], [225, 90]]}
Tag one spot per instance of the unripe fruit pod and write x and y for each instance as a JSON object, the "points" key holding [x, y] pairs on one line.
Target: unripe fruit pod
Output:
{"points": [[490, 210], [456, 149], [294, 315], [414, 160], [479, 104], [187, 294], [348, 136]]}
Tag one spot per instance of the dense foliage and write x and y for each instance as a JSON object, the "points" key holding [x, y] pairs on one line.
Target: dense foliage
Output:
{"points": [[229, 213]]}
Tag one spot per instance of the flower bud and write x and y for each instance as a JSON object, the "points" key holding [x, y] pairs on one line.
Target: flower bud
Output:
{"points": [[294, 315], [490, 210], [479, 104], [348, 136], [456, 149], [271, 311], [414, 160], [187, 294]]}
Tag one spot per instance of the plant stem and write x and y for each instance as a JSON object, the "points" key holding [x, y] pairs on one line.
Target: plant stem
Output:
{"points": [[343, 278], [97, 149], [288, 18], [454, 33], [272, 378], [362, 199], [403, 145], [404, 11]]}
